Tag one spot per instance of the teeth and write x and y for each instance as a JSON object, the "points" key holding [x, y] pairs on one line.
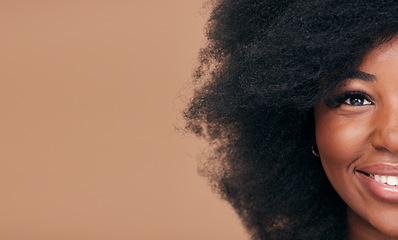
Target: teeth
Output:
{"points": [[377, 178], [383, 179], [390, 180]]}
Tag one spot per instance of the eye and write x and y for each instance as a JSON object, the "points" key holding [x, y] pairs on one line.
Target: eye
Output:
{"points": [[357, 101], [350, 98]]}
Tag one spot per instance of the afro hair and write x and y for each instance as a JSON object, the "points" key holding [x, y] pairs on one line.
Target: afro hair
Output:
{"points": [[266, 64]]}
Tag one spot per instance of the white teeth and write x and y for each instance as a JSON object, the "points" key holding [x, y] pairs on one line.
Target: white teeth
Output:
{"points": [[390, 180], [377, 178], [383, 179]]}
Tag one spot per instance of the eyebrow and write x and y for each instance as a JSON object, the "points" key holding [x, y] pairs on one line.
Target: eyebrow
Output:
{"points": [[363, 76]]}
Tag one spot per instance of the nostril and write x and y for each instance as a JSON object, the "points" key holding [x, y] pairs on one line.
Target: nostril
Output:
{"points": [[385, 140], [381, 148]]}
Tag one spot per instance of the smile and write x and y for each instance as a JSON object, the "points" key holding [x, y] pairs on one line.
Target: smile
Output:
{"points": [[380, 180], [385, 179]]}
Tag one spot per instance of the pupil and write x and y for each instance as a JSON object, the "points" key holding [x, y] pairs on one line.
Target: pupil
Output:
{"points": [[357, 101]]}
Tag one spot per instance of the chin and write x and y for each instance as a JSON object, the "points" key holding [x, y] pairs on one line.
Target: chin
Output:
{"points": [[387, 226], [377, 222]]}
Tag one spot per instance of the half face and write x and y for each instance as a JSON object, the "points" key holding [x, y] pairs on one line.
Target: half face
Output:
{"points": [[357, 138]]}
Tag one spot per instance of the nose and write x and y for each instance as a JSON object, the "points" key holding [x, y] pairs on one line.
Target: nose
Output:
{"points": [[385, 135]]}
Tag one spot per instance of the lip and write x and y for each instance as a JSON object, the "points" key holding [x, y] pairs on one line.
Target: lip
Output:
{"points": [[380, 190], [381, 169]]}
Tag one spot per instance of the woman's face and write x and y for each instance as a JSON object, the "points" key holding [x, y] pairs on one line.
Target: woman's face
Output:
{"points": [[357, 138]]}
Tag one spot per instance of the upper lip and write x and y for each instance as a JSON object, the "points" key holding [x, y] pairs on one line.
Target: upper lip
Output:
{"points": [[385, 169]]}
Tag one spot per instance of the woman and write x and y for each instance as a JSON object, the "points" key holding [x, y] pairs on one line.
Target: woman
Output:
{"points": [[299, 99]]}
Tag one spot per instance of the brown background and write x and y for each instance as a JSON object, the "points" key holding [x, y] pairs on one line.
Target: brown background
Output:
{"points": [[89, 96]]}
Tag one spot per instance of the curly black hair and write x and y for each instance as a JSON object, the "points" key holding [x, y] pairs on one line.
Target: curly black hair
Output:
{"points": [[266, 64]]}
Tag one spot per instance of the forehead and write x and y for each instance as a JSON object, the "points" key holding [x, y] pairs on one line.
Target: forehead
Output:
{"points": [[383, 59]]}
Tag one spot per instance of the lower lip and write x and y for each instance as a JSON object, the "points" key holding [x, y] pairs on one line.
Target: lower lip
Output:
{"points": [[380, 190]]}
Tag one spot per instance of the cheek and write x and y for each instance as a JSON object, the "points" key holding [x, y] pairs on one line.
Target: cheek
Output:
{"points": [[340, 141]]}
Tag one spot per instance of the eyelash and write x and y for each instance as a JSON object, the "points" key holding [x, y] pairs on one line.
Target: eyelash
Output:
{"points": [[345, 97]]}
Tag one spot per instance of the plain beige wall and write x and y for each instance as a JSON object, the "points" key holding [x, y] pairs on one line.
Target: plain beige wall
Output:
{"points": [[88, 99]]}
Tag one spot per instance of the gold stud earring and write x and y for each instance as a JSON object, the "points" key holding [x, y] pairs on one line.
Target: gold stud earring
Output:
{"points": [[315, 152]]}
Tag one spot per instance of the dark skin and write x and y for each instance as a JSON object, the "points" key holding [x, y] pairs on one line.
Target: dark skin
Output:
{"points": [[358, 139]]}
